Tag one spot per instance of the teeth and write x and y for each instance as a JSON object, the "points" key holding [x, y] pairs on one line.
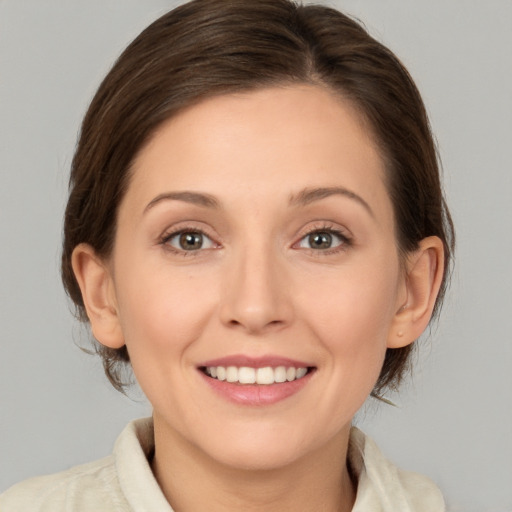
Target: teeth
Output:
{"points": [[246, 375], [232, 374], [264, 376], [301, 372], [280, 374]]}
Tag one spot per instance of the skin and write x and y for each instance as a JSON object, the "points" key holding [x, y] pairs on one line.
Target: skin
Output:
{"points": [[258, 287]]}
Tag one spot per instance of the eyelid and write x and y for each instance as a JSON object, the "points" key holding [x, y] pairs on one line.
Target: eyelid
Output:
{"points": [[326, 227], [178, 234], [185, 227]]}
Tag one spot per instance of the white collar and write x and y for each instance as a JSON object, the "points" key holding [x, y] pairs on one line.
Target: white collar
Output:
{"points": [[381, 486]]}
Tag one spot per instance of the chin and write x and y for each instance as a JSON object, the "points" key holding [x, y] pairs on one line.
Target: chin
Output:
{"points": [[258, 458], [268, 448]]}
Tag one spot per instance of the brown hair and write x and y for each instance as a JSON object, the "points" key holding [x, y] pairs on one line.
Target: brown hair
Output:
{"points": [[211, 47]]}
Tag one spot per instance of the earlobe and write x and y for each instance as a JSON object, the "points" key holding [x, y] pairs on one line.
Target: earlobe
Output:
{"points": [[424, 274], [96, 285]]}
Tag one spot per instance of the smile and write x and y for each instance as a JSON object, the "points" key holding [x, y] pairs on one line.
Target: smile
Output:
{"points": [[266, 376]]}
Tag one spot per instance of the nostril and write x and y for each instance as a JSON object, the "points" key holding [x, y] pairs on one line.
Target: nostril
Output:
{"points": [[255, 312]]}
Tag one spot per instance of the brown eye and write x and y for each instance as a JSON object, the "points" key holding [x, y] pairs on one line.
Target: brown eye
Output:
{"points": [[189, 241], [323, 240], [320, 240]]}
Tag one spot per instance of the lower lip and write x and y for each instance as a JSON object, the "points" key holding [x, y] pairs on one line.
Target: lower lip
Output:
{"points": [[256, 394]]}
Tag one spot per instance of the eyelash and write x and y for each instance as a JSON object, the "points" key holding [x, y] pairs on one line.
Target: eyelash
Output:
{"points": [[167, 237], [345, 241]]}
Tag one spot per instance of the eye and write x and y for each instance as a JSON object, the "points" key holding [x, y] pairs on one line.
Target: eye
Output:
{"points": [[322, 240], [189, 241]]}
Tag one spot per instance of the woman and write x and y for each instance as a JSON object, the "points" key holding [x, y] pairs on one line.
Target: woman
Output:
{"points": [[256, 226]]}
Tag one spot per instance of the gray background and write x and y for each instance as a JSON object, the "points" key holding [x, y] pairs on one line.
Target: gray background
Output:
{"points": [[454, 418]]}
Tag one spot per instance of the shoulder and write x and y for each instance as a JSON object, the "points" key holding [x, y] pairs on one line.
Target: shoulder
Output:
{"points": [[92, 486], [119, 483], [383, 487]]}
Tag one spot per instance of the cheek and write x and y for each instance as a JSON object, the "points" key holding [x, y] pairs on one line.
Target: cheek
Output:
{"points": [[161, 316], [163, 311], [355, 301], [352, 330], [353, 315]]}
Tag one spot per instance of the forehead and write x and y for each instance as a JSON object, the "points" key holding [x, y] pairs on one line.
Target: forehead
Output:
{"points": [[274, 141]]}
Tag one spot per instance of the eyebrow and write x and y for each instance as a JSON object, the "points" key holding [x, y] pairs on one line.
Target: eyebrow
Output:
{"points": [[310, 195], [196, 198], [303, 198]]}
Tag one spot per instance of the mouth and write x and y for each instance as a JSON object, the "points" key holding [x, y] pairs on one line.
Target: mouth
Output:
{"points": [[263, 376], [256, 381]]}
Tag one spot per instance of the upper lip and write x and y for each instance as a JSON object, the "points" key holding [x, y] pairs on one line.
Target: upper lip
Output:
{"points": [[240, 360]]}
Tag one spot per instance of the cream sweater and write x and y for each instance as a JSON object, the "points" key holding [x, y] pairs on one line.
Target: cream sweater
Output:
{"points": [[123, 482]]}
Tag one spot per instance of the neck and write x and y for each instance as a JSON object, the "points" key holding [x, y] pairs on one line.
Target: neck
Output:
{"points": [[191, 480]]}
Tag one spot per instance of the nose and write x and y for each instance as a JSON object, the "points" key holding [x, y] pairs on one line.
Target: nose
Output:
{"points": [[256, 295]]}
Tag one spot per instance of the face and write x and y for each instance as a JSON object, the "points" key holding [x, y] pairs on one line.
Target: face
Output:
{"points": [[255, 274]]}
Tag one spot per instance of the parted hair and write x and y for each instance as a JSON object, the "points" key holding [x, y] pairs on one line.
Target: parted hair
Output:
{"points": [[206, 48]]}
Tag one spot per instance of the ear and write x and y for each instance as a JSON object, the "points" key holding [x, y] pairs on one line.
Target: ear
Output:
{"points": [[98, 294], [424, 274]]}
